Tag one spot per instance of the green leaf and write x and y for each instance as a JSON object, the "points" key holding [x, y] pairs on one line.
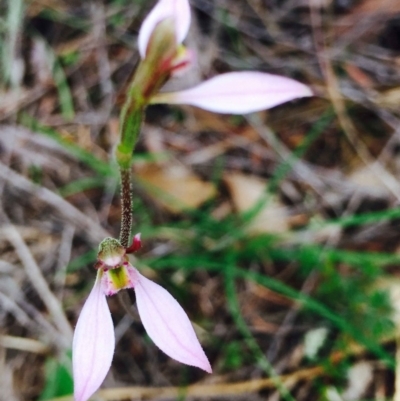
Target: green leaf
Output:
{"points": [[58, 379]]}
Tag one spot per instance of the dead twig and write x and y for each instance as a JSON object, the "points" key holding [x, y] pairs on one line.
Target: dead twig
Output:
{"points": [[94, 231], [226, 389], [39, 283], [23, 344], [387, 179]]}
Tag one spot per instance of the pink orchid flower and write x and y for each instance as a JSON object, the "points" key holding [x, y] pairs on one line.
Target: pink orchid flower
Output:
{"points": [[235, 92], [163, 318]]}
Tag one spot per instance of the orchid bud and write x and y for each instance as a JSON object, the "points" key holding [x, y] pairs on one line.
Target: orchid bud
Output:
{"points": [[179, 10], [155, 68], [162, 45], [136, 244]]}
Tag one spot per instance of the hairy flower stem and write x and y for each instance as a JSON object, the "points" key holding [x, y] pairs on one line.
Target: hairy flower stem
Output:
{"points": [[126, 207], [131, 121]]}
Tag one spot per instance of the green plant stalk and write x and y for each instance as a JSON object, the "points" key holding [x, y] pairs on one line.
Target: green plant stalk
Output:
{"points": [[131, 122], [152, 72]]}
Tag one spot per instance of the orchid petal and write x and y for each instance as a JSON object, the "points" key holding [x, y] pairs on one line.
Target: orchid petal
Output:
{"points": [[168, 325], [178, 9], [238, 93], [93, 344]]}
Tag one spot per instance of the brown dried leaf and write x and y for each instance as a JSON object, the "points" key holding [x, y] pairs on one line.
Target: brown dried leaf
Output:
{"points": [[389, 99], [366, 9], [367, 181], [359, 76], [392, 287], [359, 377], [246, 191], [174, 186], [389, 7]]}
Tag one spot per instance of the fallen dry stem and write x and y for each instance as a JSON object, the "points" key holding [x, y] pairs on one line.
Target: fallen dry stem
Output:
{"points": [[332, 85], [23, 344], [35, 275], [70, 213], [223, 389], [396, 396]]}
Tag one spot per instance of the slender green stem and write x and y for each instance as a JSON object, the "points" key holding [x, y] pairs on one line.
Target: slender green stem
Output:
{"points": [[131, 122], [152, 72]]}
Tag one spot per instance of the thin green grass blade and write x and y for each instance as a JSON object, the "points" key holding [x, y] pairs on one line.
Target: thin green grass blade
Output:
{"points": [[283, 169], [99, 166], [241, 325], [318, 308]]}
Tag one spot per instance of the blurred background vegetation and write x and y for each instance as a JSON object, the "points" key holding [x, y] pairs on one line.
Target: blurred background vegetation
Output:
{"points": [[278, 232]]}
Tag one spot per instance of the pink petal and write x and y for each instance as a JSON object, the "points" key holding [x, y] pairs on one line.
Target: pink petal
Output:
{"points": [[178, 9], [93, 344], [168, 325], [238, 93]]}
